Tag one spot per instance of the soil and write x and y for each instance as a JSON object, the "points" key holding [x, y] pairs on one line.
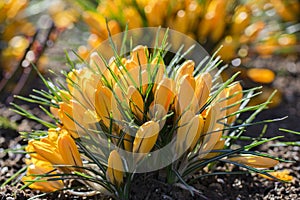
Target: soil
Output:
{"points": [[223, 187]]}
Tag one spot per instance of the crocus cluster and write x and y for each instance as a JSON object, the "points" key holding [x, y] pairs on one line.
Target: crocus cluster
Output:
{"points": [[240, 26], [137, 104], [58, 148]]}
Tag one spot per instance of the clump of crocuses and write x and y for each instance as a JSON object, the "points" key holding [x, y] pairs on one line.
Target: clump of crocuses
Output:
{"points": [[136, 105]]}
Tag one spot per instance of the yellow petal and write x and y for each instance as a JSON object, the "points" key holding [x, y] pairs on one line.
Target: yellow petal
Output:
{"points": [[212, 129], [235, 95], [218, 31], [255, 161], [186, 68], [157, 69], [68, 150], [47, 151], [117, 101], [218, 146], [228, 51], [165, 93], [54, 111], [103, 104], [71, 119], [131, 74], [127, 144], [64, 95], [186, 94], [136, 102], [53, 134], [202, 89], [146, 137], [115, 168], [96, 22], [41, 168], [97, 63], [199, 132], [187, 131], [30, 150], [212, 115], [65, 114], [139, 55], [72, 79]]}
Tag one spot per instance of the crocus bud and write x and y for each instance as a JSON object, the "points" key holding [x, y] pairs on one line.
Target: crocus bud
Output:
{"points": [[255, 161], [115, 168], [186, 92], [41, 168], [146, 137], [165, 93]]}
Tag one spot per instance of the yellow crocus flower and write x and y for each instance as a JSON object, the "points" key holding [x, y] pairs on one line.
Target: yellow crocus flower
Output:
{"points": [[213, 21], [202, 89], [58, 148], [180, 23], [127, 144], [163, 97], [241, 19], [133, 18], [42, 184], [283, 10], [155, 12], [261, 75], [53, 134], [229, 47], [146, 137], [115, 168], [255, 161], [96, 22], [185, 95]]}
